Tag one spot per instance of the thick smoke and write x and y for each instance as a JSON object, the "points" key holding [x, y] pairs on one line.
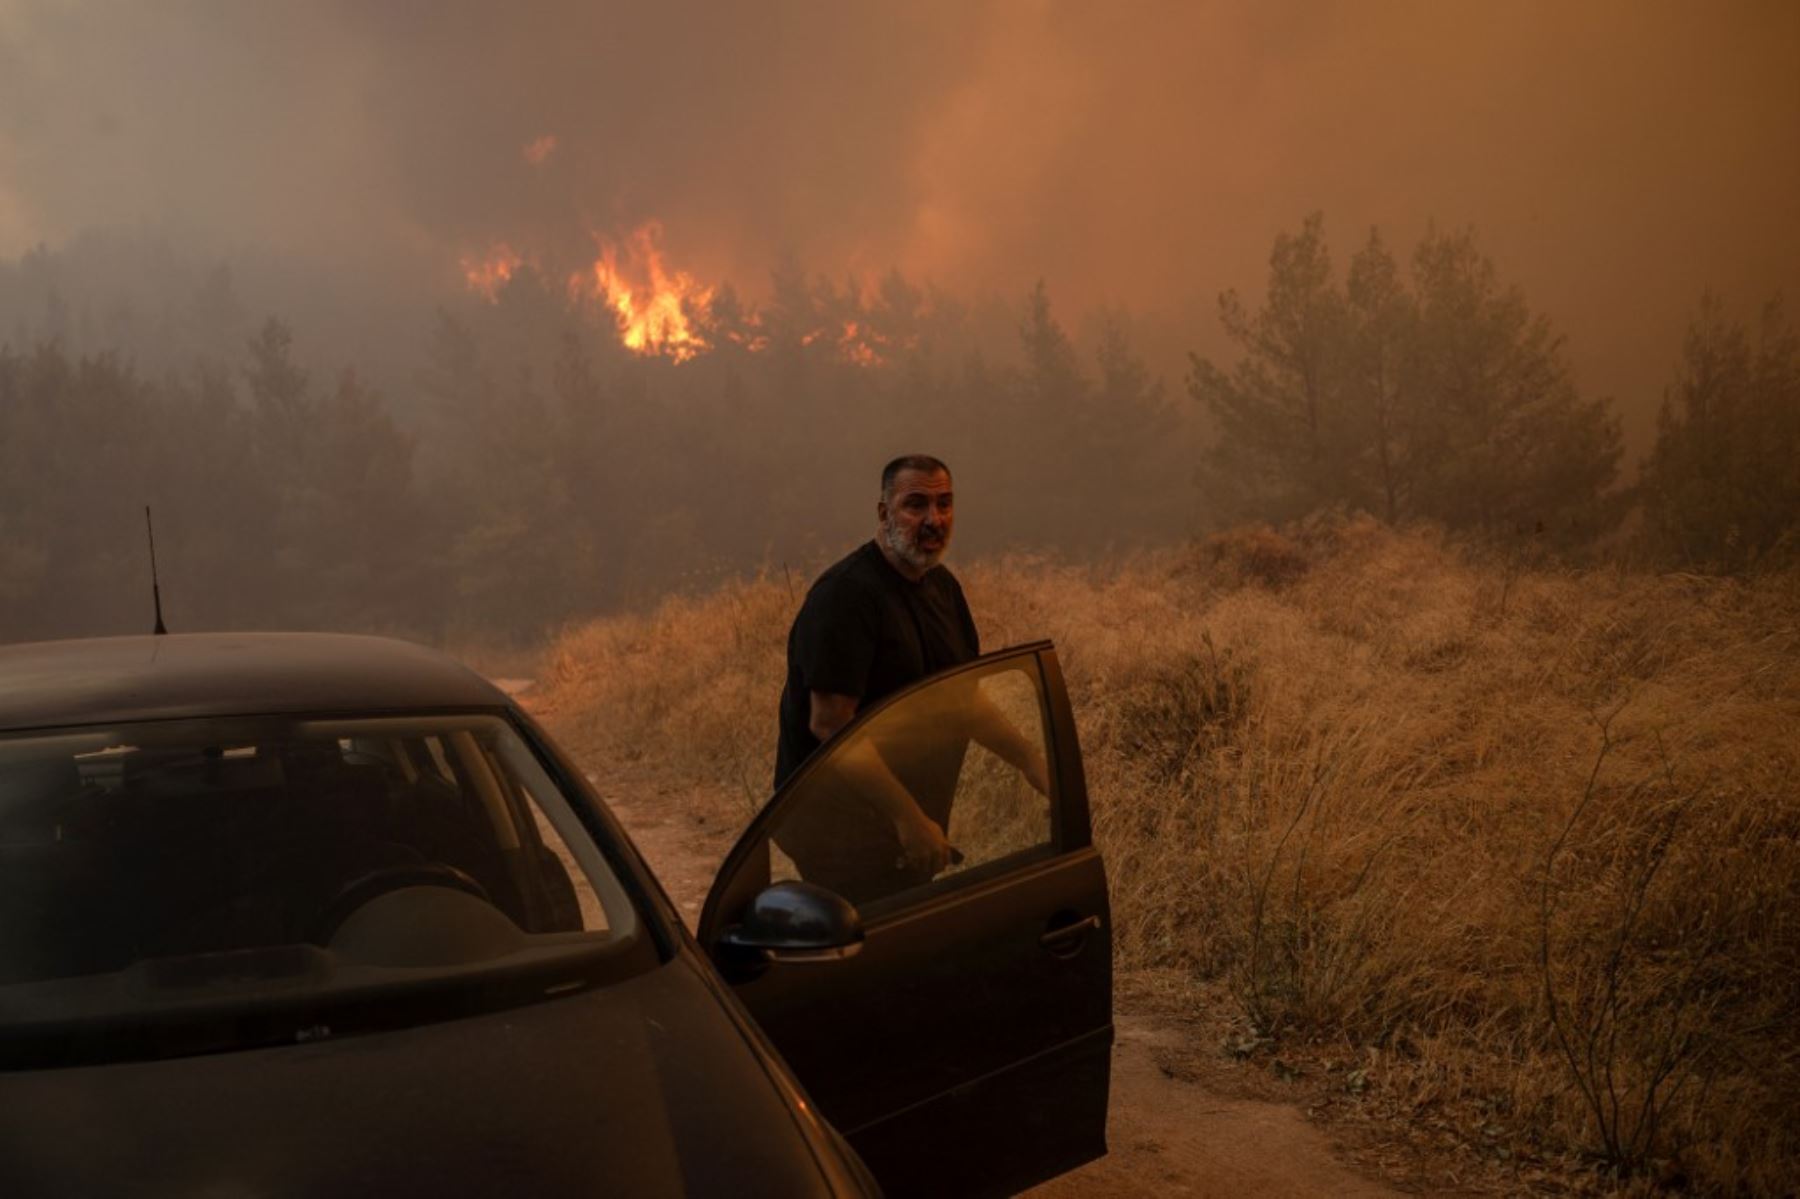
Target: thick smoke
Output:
{"points": [[1617, 158]]}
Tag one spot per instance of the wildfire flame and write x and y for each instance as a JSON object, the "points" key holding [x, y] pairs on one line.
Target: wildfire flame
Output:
{"points": [[487, 275], [653, 305], [538, 150], [661, 311], [859, 345]]}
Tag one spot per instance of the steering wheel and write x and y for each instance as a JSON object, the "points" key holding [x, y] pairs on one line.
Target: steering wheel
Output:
{"points": [[377, 883]]}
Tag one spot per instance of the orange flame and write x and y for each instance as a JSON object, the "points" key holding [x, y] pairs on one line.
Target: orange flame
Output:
{"points": [[653, 306], [754, 341], [860, 345], [854, 342], [660, 311], [538, 150], [486, 276]]}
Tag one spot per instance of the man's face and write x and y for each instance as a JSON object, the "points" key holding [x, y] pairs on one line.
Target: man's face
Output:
{"points": [[916, 517]]}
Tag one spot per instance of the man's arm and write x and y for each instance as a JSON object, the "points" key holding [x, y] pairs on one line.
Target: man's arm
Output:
{"points": [[921, 839], [991, 729]]}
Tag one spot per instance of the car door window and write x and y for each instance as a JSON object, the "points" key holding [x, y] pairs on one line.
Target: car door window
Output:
{"points": [[969, 753]]}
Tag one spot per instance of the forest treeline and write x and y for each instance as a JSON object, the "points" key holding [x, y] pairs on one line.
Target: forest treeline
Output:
{"points": [[527, 468]]}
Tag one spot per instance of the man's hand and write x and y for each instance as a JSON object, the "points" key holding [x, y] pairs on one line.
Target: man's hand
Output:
{"points": [[923, 845]]}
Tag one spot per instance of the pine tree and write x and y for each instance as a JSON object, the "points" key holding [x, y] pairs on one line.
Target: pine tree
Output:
{"points": [[1281, 410], [1722, 487]]}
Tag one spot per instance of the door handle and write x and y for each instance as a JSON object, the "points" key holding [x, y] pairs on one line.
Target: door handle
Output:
{"points": [[1067, 938]]}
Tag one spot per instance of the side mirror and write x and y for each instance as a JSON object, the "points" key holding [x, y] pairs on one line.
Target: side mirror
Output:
{"points": [[794, 922]]}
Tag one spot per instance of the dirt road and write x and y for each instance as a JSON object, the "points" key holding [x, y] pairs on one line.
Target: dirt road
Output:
{"points": [[1168, 1135]]}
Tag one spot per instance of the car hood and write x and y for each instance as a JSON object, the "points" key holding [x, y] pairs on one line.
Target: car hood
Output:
{"points": [[641, 1087]]}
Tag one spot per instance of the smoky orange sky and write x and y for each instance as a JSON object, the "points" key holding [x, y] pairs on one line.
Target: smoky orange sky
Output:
{"points": [[1615, 158]]}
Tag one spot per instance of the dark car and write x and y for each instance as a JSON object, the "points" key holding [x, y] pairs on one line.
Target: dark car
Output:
{"points": [[287, 914]]}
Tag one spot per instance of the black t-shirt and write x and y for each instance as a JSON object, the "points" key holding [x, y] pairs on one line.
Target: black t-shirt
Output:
{"points": [[867, 630]]}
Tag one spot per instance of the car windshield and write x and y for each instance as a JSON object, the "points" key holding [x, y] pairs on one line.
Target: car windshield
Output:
{"points": [[182, 886]]}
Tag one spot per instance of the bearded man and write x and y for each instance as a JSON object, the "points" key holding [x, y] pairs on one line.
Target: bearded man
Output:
{"points": [[885, 616]]}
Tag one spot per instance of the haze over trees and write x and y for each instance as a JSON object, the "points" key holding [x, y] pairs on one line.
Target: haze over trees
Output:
{"points": [[1435, 394], [528, 467], [1722, 488], [510, 464]]}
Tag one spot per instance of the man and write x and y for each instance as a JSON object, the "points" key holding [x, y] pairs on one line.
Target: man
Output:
{"points": [[885, 616]]}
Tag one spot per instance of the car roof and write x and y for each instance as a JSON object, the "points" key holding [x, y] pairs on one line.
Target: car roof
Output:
{"points": [[116, 679]]}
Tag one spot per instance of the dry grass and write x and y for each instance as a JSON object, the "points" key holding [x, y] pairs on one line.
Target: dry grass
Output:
{"points": [[691, 686], [1527, 839]]}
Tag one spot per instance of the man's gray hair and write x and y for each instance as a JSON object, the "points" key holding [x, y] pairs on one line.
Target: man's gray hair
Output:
{"points": [[923, 463]]}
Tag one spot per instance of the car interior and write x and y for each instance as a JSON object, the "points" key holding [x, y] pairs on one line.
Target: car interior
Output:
{"points": [[271, 835]]}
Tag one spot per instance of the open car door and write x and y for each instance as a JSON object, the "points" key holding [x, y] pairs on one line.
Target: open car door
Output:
{"points": [[956, 1027]]}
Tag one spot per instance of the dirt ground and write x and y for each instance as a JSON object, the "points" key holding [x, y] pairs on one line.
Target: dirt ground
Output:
{"points": [[1169, 1134]]}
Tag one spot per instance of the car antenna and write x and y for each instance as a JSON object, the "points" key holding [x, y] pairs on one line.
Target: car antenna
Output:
{"points": [[155, 588]]}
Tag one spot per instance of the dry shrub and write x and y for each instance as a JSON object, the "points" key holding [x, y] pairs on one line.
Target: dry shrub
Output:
{"points": [[1329, 766], [1254, 554], [1179, 710], [690, 688], [1649, 994]]}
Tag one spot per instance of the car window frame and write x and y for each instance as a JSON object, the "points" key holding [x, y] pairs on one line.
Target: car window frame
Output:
{"points": [[657, 913]]}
